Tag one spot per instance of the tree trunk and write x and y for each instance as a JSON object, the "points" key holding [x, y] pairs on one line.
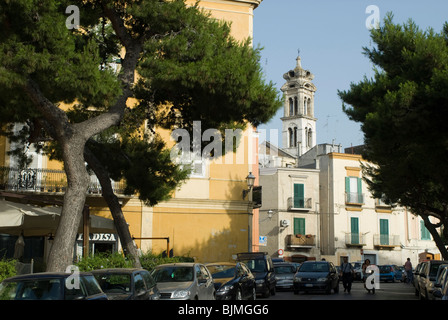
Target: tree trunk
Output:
{"points": [[436, 236], [129, 248], [62, 252]]}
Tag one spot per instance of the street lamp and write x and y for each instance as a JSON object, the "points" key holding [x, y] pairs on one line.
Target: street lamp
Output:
{"points": [[250, 180]]}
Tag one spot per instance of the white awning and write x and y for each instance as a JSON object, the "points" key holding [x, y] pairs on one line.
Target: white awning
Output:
{"points": [[32, 220]]}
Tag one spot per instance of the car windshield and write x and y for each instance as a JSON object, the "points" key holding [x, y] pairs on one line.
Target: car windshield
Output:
{"points": [[221, 271], [385, 269], [114, 282], [41, 289], [284, 269], [314, 267], [173, 274], [256, 265]]}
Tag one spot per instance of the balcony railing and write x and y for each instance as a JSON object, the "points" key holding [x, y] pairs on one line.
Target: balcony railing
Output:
{"points": [[300, 240], [385, 240], [46, 180], [299, 203], [354, 198], [355, 240]]}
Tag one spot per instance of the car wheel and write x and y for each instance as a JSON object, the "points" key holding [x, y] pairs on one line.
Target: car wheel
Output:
{"points": [[336, 289], [238, 295], [267, 294], [254, 294], [273, 291]]}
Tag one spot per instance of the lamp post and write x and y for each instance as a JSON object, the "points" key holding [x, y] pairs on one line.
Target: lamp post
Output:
{"points": [[250, 180]]}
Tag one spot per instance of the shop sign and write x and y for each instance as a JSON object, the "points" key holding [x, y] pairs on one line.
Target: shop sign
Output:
{"points": [[105, 237]]}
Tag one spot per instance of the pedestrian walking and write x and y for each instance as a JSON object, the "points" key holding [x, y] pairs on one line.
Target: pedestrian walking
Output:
{"points": [[347, 271], [408, 270], [365, 274]]}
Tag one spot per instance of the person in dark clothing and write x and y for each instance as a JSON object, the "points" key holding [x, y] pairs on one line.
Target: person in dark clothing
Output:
{"points": [[347, 271]]}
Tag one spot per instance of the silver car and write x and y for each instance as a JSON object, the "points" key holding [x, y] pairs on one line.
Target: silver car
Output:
{"points": [[284, 274], [184, 281]]}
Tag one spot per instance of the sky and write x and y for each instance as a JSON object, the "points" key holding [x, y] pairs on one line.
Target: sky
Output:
{"points": [[330, 35]]}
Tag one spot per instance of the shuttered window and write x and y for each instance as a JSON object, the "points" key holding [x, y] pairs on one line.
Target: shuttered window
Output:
{"points": [[299, 195], [299, 225]]}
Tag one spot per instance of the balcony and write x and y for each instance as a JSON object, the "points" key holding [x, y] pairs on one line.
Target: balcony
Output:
{"points": [[354, 198], [299, 204], [300, 241], [46, 181], [385, 241], [355, 240]]}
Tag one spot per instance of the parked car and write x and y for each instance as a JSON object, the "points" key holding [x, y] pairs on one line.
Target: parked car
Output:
{"points": [[427, 277], [357, 266], [233, 281], [389, 273], [400, 273], [127, 284], [316, 275], [416, 281], [52, 286], [284, 275], [440, 283], [261, 266], [184, 281]]}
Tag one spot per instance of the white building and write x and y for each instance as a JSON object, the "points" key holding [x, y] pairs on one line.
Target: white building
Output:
{"points": [[318, 191]]}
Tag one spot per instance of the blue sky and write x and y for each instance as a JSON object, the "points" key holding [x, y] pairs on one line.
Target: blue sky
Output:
{"points": [[330, 35]]}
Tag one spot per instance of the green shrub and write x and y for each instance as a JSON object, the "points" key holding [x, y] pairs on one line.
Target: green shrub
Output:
{"points": [[149, 261], [7, 268], [117, 260], [103, 261]]}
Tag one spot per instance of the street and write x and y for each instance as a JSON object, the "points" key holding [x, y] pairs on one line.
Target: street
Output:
{"points": [[387, 291]]}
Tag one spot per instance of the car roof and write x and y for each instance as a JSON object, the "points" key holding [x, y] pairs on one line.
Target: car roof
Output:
{"points": [[43, 275], [222, 264], [179, 264], [119, 270]]}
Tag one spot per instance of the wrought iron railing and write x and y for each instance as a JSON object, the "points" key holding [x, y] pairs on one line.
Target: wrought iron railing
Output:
{"points": [[354, 198], [386, 240], [355, 239], [46, 180], [299, 203]]}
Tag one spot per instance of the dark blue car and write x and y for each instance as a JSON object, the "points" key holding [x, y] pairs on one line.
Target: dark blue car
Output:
{"points": [[52, 286]]}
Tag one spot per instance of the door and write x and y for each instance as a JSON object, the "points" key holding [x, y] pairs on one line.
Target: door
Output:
{"points": [[384, 232], [141, 293], [206, 287]]}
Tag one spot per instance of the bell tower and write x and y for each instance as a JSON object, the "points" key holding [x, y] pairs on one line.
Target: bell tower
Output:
{"points": [[299, 124]]}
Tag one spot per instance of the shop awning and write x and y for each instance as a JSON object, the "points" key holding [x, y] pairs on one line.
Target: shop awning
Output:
{"points": [[32, 220]]}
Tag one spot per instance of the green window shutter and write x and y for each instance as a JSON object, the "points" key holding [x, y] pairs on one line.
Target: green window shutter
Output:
{"points": [[360, 200], [299, 195], [354, 228], [425, 235], [384, 231], [299, 225]]}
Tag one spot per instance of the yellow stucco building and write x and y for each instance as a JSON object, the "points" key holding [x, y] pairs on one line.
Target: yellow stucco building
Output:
{"points": [[208, 218]]}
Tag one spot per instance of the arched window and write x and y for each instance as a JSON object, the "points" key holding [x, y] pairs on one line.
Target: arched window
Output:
{"points": [[296, 105], [295, 136], [290, 137], [305, 108], [309, 112], [309, 138], [291, 107]]}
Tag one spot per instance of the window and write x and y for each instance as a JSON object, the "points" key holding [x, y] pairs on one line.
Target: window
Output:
{"points": [[354, 228], [296, 105], [384, 232], [353, 190], [425, 235], [299, 195], [299, 225], [291, 107]]}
